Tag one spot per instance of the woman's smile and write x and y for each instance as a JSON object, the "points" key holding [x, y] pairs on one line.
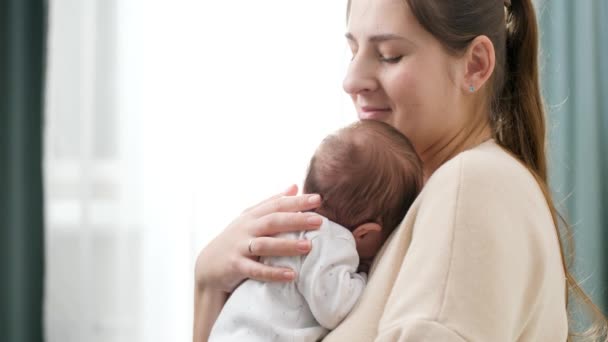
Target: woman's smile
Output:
{"points": [[373, 112]]}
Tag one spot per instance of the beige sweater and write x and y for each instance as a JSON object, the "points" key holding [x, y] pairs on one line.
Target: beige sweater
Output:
{"points": [[475, 259]]}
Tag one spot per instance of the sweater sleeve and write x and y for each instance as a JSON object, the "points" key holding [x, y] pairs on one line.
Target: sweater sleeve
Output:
{"points": [[477, 258], [422, 330], [329, 280]]}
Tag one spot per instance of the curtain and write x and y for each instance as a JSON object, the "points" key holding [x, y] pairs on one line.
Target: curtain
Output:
{"points": [[22, 47], [575, 75]]}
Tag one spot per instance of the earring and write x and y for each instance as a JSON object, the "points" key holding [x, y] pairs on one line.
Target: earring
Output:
{"points": [[472, 89]]}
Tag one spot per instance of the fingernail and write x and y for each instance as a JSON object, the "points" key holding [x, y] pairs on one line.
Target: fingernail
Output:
{"points": [[289, 274], [314, 220], [303, 246], [314, 199]]}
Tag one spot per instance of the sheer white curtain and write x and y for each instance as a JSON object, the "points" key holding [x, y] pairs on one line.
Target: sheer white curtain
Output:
{"points": [[164, 120]]}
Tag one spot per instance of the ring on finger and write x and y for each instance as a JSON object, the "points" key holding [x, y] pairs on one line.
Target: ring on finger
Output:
{"points": [[250, 246]]}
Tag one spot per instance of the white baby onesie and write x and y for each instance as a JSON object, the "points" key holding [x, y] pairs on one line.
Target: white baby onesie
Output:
{"points": [[325, 290]]}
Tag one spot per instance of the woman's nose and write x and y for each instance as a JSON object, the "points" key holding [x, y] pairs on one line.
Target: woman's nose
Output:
{"points": [[359, 78]]}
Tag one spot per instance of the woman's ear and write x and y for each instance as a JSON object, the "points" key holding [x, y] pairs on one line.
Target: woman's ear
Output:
{"points": [[479, 64]]}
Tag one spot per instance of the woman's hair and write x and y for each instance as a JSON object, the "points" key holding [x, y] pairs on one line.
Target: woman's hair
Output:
{"points": [[517, 114]]}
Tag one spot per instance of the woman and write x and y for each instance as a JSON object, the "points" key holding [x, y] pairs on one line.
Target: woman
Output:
{"points": [[478, 256]]}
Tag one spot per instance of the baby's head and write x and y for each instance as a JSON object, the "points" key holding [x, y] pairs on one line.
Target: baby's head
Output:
{"points": [[368, 175]]}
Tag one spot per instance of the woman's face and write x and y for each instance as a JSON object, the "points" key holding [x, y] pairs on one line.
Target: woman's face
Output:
{"points": [[401, 74]]}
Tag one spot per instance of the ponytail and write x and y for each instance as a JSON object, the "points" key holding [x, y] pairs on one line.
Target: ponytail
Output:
{"points": [[520, 116], [519, 126]]}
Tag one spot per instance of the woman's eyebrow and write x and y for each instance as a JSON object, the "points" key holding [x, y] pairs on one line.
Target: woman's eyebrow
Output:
{"points": [[379, 37]]}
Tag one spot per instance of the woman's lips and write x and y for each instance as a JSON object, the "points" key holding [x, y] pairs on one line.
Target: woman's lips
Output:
{"points": [[373, 113]]}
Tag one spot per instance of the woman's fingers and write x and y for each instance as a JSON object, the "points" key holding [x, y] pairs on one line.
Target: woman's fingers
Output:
{"points": [[286, 204], [290, 191], [231, 256], [268, 246], [281, 222], [258, 271]]}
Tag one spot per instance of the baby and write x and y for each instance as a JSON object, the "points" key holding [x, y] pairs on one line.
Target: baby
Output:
{"points": [[368, 175]]}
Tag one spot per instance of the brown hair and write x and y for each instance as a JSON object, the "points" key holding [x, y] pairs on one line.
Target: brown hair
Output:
{"points": [[517, 114], [365, 172]]}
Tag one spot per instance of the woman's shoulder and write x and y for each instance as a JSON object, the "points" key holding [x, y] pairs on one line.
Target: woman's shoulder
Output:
{"points": [[488, 168], [487, 184], [483, 223]]}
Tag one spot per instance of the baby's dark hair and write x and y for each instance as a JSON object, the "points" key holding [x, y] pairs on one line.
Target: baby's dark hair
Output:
{"points": [[365, 172]]}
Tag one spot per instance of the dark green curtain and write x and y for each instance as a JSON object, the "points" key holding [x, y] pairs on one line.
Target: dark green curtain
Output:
{"points": [[22, 51], [574, 39]]}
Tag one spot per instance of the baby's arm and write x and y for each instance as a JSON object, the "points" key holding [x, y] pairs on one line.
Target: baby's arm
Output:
{"points": [[328, 278]]}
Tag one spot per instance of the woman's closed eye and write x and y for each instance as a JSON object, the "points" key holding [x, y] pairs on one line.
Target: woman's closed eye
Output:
{"points": [[390, 59]]}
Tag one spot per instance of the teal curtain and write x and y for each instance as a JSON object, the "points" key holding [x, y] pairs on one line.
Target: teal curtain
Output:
{"points": [[22, 41], [574, 39]]}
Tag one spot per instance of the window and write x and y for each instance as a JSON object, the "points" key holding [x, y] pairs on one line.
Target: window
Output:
{"points": [[165, 120]]}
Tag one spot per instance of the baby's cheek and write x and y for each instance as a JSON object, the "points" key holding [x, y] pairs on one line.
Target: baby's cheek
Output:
{"points": [[368, 250]]}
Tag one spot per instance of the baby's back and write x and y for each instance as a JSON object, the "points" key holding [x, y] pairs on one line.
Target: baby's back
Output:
{"points": [[259, 311]]}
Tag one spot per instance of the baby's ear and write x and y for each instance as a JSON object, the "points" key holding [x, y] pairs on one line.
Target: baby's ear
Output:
{"points": [[369, 239], [363, 230]]}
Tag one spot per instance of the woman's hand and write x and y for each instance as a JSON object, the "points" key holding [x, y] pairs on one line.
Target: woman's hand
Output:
{"points": [[233, 255]]}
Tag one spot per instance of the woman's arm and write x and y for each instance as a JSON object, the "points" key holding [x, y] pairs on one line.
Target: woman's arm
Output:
{"points": [[207, 306]]}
